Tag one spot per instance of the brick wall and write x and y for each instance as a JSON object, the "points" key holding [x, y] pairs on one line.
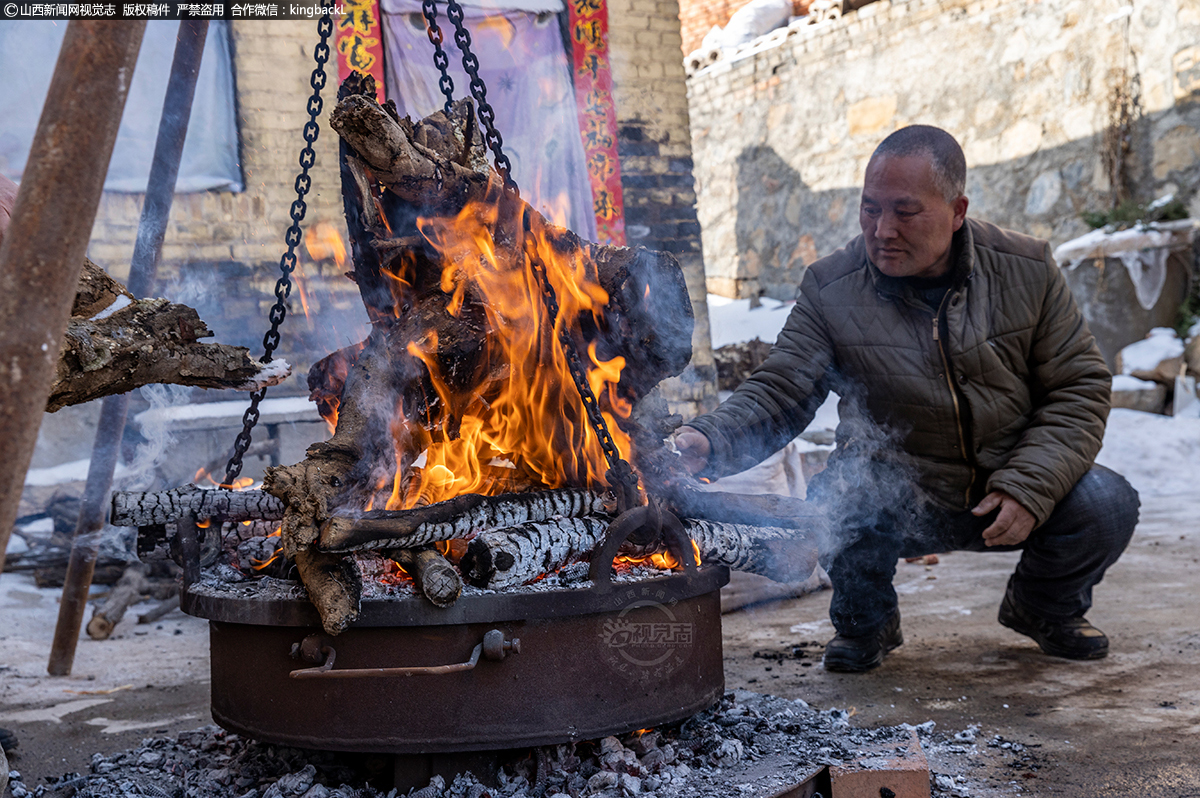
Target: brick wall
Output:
{"points": [[655, 148], [782, 135]]}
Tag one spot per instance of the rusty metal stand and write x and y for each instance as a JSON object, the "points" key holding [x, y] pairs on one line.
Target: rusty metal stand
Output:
{"points": [[51, 224], [160, 192]]}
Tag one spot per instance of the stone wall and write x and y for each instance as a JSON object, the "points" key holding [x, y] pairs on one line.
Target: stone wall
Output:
{"points": [[782, 130], [655, 150]]}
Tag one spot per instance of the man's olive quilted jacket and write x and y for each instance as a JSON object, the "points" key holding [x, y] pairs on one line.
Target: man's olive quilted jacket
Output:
{"points": [[1002, 388]]}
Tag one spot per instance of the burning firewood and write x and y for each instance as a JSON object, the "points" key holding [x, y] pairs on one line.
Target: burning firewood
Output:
{"points": [[145, 509], [465, 363], [783, 555], [455, 518], [509, 557], [433, 575], [115, 343]]}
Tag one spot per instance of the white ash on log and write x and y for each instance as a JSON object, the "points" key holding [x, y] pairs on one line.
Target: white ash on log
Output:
{"points": [[132, 508], [115, 343], [433, 575], [509, 557], [784, 555], [455, 518]]}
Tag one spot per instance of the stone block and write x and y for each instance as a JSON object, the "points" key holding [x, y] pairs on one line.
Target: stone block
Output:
{"points": [[904, 776], [869, 116]]}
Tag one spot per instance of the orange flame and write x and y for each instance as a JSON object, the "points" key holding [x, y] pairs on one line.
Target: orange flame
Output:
{"points": [[324, 242], [663, 560], [529, 412], [259, 565]]}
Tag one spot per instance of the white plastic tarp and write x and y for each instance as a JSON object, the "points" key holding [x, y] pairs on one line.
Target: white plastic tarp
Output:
{"points": [[524, 64], [28, 51]]}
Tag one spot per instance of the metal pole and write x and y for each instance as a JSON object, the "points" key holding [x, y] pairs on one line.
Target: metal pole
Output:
{"points": [[152, 229], [48, 236]]}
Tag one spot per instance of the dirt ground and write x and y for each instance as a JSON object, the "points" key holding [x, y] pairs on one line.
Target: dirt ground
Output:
{"points": [[1128, 725]]}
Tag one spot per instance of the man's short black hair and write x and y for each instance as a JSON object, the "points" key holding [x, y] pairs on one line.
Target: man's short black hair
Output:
{"points": [[949, 163]]}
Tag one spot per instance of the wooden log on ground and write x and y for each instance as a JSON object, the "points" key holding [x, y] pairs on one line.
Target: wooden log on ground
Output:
{"points": [[459, 517], [334, 587], [510, 557], [131, 588], [135, 508], [161, 610], [784, 555], [433, 575]]}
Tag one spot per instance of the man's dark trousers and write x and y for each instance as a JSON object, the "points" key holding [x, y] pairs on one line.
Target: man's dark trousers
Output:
{"points": [[878, 518]]}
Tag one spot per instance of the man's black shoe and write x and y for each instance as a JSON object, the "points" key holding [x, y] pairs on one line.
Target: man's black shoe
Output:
{"points": [[1071, 639], [857, 654]]}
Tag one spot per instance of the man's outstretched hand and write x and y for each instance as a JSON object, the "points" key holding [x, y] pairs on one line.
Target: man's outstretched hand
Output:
{"points": [[1012, 525], [693, 447]]}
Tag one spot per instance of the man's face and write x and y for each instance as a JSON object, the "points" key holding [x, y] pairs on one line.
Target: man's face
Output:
{"points": [[907, 223]]}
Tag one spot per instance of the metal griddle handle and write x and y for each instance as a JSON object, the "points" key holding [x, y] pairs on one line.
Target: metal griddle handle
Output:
{"points": [[493, 647]]}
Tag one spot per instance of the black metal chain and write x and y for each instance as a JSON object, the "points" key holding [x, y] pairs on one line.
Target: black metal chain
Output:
{"points": [[620, 476], [492, 137], [287, 263], [440, 59]]}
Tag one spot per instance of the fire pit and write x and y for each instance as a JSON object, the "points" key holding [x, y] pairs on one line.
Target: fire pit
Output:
{"points": [[456, 539], [531, 668]]}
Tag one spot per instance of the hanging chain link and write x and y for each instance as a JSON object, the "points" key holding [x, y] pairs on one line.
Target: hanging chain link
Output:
{"points": [[620, 476], [287, 263], [492, 137], [440, 59]]}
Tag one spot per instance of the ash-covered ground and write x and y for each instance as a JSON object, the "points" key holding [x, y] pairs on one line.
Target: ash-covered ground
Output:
{"points": [[749, 744]]}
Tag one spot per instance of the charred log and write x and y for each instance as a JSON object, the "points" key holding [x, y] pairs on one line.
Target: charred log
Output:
{"points": [[509, 557], [459, 517], [766, 509], [783, 555], [433, 575], [132, 508], [334, 587]]}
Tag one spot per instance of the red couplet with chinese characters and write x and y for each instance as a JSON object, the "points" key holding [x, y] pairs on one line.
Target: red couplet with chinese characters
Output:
{"points": [[360, 42], [597, 115]]}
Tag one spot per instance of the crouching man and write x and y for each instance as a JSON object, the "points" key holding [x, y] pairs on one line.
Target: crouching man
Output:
{"points": [[973, 406]]}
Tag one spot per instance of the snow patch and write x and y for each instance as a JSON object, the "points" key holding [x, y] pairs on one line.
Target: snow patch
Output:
{"points": [[1123, 383], [1161, 344], [121, 301], [733, 321], [268, 374], [1159, 455]]}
